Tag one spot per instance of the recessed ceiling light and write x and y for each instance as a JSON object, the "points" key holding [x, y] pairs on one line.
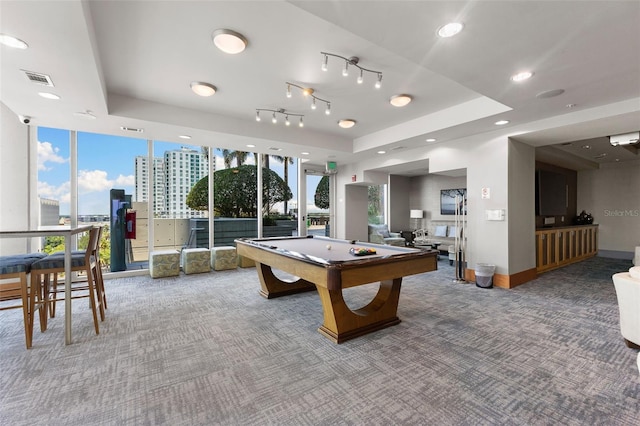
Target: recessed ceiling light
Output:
{"points": [[400, 100], [571, 105], [11, 41], [450, 29], [304, 153], [275, 149], [251, 146], [347, 123], [431, 140], [229, 41], [48, 95], [382, 152], [586, 146], [203, 89], [521, 76], [184, 137], [502, 122]]}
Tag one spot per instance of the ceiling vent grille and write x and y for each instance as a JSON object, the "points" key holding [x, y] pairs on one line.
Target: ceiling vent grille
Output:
{"points": [[38, 78]]}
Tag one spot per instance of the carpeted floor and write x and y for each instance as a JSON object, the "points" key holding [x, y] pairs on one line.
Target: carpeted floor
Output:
{"points": [[206, 349]]}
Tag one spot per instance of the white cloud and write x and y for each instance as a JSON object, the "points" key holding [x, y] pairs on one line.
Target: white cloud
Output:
{"points": [[93, 181], [98, 180], [122, 180], [60, 193], [48, 153]]}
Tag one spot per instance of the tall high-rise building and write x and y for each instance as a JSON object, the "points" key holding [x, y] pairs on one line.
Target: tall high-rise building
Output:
{"points": [[174, 175], [142, 183]]}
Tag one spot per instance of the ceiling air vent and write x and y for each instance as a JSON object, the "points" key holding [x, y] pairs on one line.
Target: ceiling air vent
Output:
{"points": [[38, 78], [131, 129]]}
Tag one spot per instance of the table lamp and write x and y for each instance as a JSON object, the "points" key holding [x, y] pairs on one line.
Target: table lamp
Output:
{"points": [[416, 214]]}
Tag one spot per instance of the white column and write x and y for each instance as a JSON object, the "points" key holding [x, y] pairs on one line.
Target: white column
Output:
{"points": [[150, 196], [259, 194], [302, 200], [73, 184], [212, 170]]}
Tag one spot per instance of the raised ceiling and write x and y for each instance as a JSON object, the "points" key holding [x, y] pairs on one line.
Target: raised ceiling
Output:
{"points": [[131, 63]]}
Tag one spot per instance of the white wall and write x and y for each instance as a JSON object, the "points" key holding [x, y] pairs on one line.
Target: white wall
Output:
{"points": [[520, 206], [612, 195], [354, 226], [485, 157], [398, 190], [14, 180], [425, 195]]}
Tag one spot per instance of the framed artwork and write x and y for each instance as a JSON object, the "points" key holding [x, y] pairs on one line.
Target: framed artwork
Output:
{"points": [[448, 200]]}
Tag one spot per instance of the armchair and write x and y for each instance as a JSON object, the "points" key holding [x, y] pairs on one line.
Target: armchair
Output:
{"points": [[627, 285], [380, 234]]}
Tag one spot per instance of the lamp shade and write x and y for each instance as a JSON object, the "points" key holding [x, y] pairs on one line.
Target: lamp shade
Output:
{"points": [[416, 214]]}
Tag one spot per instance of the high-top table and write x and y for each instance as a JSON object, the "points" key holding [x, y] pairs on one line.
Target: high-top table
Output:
{"points": [[66, 232]]}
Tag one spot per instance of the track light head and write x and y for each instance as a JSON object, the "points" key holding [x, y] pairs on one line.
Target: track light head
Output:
{"points": [[379, 81]]}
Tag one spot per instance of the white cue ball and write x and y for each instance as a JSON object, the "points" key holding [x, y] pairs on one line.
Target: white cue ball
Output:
{"points": [[328, 246]]}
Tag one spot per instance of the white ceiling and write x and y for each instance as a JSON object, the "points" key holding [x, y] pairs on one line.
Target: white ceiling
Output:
{"points": [[131, 62]]}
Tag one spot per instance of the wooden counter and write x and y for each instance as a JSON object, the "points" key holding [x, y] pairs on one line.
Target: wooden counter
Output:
{"points": [[556, 247]]}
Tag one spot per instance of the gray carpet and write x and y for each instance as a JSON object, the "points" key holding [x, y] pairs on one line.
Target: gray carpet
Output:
{"points": [[206, 349]]}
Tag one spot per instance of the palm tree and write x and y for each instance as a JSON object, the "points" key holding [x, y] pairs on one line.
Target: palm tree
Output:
{"points": [[280, 159], [229, 155], [285, 161]]}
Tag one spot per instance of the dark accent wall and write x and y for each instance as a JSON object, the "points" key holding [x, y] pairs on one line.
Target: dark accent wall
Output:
{"points": [[572, 183]]}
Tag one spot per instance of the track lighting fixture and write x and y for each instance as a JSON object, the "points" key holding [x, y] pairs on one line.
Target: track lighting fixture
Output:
{"points": [[354, 62], [306, 91], [281, 111]]}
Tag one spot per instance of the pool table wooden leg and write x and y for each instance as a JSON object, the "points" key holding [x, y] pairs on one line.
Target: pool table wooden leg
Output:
{"points": [[341, 323], [272, 286]]}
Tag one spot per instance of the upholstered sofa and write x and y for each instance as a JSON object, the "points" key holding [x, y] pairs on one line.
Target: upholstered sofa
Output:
{"points": [[627, 285], [380, 234]]}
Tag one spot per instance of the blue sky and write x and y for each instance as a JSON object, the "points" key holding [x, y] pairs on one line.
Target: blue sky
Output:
{"points": [[106, 162]]}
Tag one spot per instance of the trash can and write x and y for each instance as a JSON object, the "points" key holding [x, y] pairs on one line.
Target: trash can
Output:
{"points": [[484, 275]]}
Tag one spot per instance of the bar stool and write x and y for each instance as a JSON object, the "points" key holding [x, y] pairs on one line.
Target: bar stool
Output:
{"points": [[98, 282], [15, 288], [80, 261]]}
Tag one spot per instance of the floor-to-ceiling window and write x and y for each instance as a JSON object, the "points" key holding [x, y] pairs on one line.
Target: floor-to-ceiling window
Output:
{"points": [[318, 203], [166, 186], [279, 190], [109, 163], [377, 207]]}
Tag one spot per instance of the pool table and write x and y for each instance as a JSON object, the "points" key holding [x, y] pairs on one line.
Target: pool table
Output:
{"points": [[328, 266]]}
